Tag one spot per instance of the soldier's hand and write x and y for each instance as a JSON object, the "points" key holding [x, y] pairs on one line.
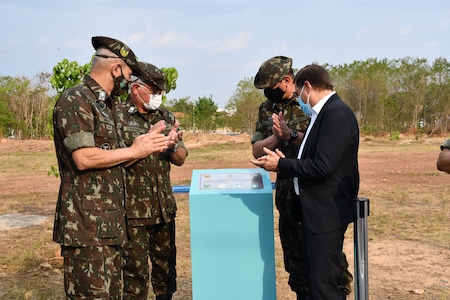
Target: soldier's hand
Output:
{"points": [[152, 142], [157, 125], [174, 135], [280, 127]]}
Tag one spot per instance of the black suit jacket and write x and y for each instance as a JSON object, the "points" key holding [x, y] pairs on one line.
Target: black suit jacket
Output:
{"points": [[328, 168]]}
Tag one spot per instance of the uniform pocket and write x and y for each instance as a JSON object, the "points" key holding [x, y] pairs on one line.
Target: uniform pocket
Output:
{"points": [[102, 216]]}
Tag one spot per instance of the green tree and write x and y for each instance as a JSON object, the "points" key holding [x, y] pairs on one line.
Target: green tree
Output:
{"points": [[67, 74], [221, 119], [171, 78], [437, 98], [204, 114], [243, 105], [401, 95], [7, 123], [184, 110], [360, 84], [25, 103], [412, 75]]}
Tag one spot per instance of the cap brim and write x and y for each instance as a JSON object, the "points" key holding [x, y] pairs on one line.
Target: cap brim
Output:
{"points": [[98, 41]]}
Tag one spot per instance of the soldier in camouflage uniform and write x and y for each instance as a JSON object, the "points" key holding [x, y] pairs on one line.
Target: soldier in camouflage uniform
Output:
{"points": [[90, 221], [150, 206], [282, 124]]}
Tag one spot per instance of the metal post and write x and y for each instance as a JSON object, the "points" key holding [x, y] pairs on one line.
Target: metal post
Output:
{"points": [[360, 252]]}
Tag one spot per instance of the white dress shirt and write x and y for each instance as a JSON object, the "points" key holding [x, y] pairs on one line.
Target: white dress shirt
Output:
{"points": [[315, 110]]}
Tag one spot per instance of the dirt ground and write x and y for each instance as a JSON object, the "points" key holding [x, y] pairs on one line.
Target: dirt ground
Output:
{"points": [[406, 267], [395, 264]]}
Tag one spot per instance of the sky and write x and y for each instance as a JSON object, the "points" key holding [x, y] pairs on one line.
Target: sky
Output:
{"points": [[215, 44]]}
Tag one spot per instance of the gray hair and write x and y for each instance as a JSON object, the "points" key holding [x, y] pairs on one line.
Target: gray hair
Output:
{"points": [[135, 80], [103, 58]]}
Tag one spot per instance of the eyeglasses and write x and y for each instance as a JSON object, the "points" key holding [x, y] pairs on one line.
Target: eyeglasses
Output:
{"points": [[299, 89], [151, 91]]}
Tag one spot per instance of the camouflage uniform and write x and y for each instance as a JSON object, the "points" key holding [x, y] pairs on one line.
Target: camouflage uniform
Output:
{"points": [[289, 209], [90, 217], [286, 201], [150, 209], [89, 212]]}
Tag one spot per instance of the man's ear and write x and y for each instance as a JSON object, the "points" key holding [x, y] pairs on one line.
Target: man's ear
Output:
{"points": [[116, 69], [134, 88], [308, 85], [288, 79]]}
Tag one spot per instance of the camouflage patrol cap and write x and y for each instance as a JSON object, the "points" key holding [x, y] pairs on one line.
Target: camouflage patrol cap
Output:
{"points": [[272, 71], [123, 51], [151, 75]]}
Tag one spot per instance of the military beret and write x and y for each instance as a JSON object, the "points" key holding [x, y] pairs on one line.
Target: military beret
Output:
{"points": [[272, 71], [151, 75], [123, 51]]}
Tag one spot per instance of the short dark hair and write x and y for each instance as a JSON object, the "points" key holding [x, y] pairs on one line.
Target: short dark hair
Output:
{"points": [[290, 73], [316, 75]]}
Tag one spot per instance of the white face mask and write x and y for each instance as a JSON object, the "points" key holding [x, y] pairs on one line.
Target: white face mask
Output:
{"points": [[154, 101]]}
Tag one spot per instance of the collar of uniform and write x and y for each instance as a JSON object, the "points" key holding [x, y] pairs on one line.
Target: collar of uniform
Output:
{"points": [[153, 112], [131, 108], [292, 101], [99, 92], [281, 105]]}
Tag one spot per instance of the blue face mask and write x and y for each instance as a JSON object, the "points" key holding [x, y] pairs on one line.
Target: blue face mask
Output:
{"points": [[305, 107]]}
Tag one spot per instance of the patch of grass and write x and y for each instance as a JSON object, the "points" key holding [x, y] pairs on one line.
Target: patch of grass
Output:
{"points": [[28, 263], [27, 202], [394, 135], [20, 161]]}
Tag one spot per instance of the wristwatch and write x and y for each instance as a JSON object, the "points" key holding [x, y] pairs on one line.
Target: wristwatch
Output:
{"points": [[294, 135], [175, 148]]}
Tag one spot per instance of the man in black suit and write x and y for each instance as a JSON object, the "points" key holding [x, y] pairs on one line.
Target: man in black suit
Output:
{"points": [[326, 178]]}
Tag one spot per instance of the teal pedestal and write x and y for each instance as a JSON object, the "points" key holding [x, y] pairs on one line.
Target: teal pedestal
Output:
{"points": [[232, 235]]}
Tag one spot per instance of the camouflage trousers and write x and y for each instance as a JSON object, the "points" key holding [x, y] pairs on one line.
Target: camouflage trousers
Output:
{"points": [[156, 242], [290, 232], [92, 272], [290, 237]]}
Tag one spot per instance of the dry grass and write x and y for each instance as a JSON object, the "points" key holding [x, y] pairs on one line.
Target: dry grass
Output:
{"points": [[409, 237]]}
